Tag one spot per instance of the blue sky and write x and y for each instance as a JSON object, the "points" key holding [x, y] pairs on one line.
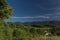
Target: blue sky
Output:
{"points": [[34, 10]]}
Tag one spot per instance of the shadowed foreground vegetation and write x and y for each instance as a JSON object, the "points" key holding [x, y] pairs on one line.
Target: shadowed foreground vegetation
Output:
{"points": [[29, 31]]}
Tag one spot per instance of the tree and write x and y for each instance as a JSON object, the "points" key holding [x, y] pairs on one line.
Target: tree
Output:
{"points": [[5, 10]]}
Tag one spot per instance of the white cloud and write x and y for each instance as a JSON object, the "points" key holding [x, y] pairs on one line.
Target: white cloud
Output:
{"points": [[57, 13], [42, 17], [53, 14], [52, 8], [32, 17], [21, 17], [57, 8]]}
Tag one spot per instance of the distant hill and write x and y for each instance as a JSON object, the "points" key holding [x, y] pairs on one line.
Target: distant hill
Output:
{"points": [[43, 23]]}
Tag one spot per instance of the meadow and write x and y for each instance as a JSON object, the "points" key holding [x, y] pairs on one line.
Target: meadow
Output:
{"points": [[24, 31], [40, 38]]}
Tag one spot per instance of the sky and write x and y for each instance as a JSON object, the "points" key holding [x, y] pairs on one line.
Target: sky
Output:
{"points": [[34, 10]]}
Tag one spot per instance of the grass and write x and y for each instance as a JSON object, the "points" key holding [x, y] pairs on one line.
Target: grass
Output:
{"points": [[40, 38]]}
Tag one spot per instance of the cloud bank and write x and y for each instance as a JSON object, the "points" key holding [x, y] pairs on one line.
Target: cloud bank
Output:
{"points": [[32, 17]]}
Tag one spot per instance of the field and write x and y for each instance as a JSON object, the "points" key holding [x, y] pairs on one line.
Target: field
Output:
{"points": [[40, 38], [19, 31]]}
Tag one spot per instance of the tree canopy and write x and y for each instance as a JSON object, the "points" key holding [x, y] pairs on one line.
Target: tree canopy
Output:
{"points": [[5, 10]]}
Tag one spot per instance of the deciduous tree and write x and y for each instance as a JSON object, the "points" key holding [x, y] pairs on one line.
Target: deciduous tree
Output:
{"points": [[5, 10]]}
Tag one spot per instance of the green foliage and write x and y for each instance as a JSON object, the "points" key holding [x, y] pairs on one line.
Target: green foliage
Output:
{"points": [[19, 31], [5, 10]]}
